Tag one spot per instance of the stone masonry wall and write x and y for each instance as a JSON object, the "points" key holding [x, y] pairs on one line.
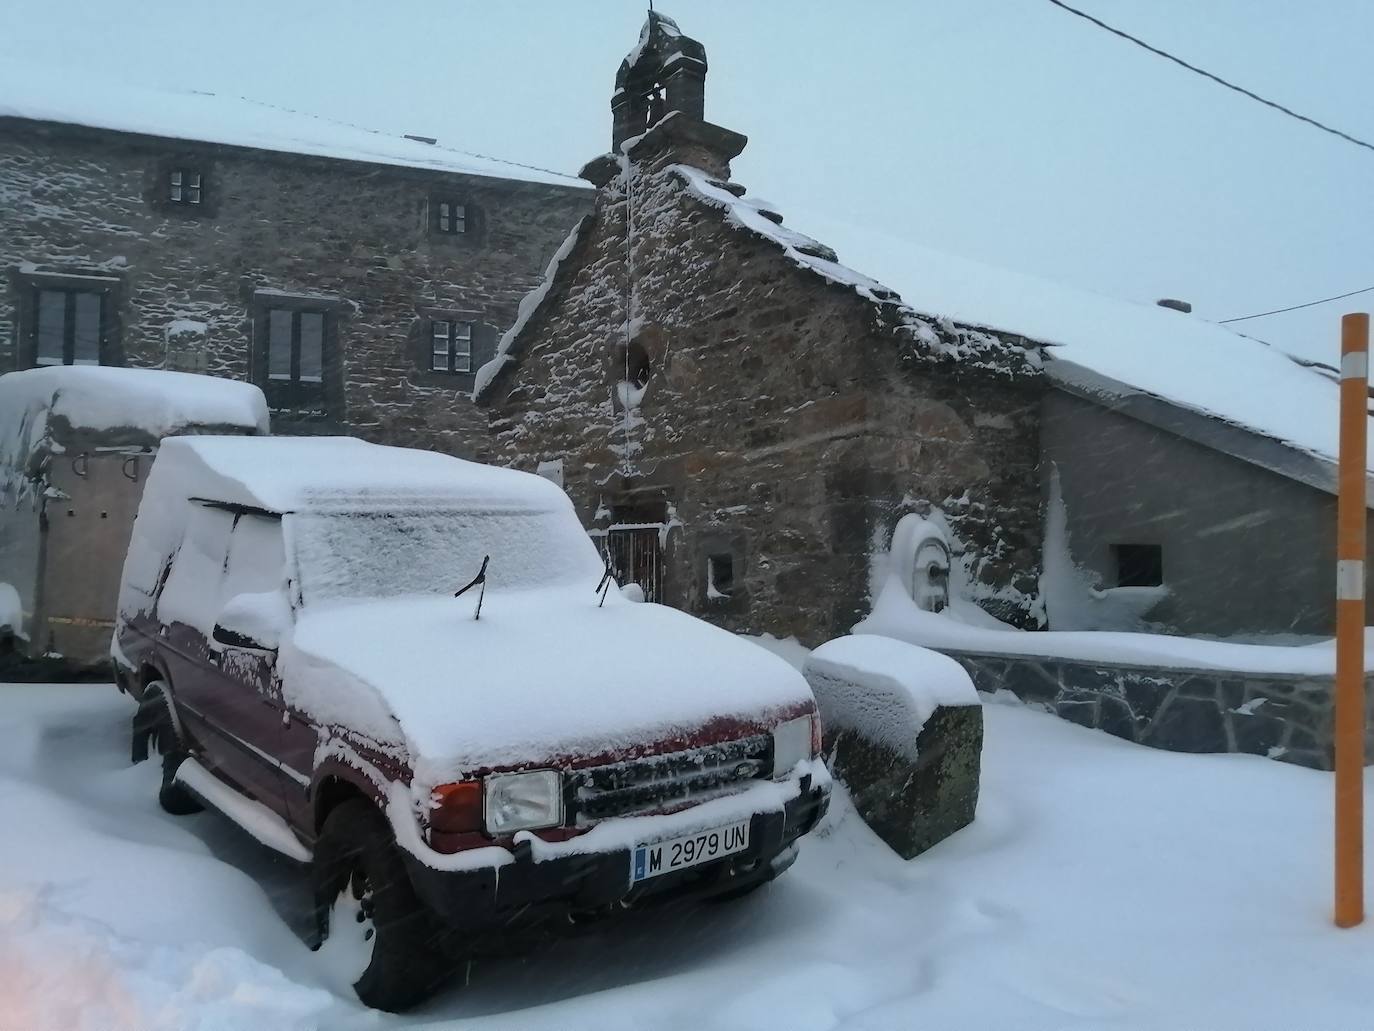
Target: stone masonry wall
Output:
{"points": [[782, 423], [1283, 716], [84, 202]]}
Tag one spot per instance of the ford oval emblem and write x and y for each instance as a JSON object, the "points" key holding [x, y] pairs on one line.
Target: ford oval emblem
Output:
{"points": [[744, 770]]}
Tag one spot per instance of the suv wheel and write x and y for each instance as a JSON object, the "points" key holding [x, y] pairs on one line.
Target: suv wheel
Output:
{"points": [[154, 719], [374, 930]]}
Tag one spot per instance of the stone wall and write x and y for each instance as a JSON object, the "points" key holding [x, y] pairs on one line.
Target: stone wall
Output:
{"points": [[783, 422], [85, 202], [1232, 533], [1282, 715]]}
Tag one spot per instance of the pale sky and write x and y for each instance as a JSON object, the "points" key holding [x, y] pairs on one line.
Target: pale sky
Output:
{"points": [[1004, 130]]}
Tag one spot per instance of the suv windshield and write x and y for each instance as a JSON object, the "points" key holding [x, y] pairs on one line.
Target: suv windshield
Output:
{"points": [[368, 554]]}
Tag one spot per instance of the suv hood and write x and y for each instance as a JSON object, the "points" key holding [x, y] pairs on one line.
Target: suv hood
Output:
{"points": [[542, 675]]}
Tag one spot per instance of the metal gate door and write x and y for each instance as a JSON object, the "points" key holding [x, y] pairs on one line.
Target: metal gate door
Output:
{"points": [[636, 556]]}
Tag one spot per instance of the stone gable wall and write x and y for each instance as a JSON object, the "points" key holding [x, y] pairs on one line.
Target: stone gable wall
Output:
{"points": [[784, 421], [85, 202]]}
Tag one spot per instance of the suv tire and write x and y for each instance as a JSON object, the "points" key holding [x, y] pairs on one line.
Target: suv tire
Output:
{"points": [[154, 719], [360, 879]]}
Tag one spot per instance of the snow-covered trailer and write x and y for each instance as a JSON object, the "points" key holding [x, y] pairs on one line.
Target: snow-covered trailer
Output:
{"points": [[75, 446]]}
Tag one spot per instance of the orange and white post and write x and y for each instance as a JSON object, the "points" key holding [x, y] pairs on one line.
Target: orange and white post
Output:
{"points": [[1350, 549]]}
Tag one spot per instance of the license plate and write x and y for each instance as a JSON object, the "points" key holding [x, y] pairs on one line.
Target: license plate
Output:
{"points": [[660, 857]]}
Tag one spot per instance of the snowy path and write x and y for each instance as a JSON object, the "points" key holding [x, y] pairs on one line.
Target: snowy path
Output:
{"points": [[1103, 884]]}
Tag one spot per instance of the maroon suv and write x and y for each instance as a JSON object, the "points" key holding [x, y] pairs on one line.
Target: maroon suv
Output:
{"points": [[412, 672]]}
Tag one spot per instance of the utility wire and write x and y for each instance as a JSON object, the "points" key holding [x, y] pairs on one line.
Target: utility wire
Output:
{"points": [[1215, 78], [1295, 307]]}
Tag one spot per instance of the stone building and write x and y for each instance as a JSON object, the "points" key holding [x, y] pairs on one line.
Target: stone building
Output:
{"points": [[1189, 471], [741, 418], [359, 279]]}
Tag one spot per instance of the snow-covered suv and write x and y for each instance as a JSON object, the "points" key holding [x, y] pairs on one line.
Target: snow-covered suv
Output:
{"points": [[535, 749]]}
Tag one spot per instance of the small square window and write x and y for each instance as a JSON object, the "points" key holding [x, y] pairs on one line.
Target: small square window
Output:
{"points": [[450, 218], [451, 349], [184, 186], [1139, 565]]}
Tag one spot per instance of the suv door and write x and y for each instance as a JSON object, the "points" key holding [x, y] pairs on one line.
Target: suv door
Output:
{"points": [[224, 699], [250, 690]]}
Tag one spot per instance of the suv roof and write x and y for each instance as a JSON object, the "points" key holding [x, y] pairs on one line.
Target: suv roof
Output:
{"points": [[290, 474]]}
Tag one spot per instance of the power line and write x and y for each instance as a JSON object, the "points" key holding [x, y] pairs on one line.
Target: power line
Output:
{"points": [[1295, 307], [1215, 78]]}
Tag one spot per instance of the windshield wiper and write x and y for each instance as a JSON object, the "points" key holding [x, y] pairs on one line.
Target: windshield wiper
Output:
{"points": [[479, 580], [605, 583]]}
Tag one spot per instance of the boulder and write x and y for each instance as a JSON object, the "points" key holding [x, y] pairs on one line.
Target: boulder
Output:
{"points": [[904, 732]]}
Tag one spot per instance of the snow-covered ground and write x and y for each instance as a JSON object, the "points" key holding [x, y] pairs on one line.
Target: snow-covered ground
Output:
{"points": [[1103, 884]]}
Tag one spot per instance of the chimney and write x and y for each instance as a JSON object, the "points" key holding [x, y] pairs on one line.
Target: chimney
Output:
{"points": [[1175, 304]]}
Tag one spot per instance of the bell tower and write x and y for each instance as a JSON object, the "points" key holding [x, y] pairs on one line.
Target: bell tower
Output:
{"points": [[664, 73], [658, 108]]}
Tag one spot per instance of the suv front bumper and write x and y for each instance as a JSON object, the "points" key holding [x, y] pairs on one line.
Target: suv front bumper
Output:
{"points": [[492, 903]]}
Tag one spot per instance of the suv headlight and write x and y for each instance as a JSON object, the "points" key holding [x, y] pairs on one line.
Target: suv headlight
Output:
{"points": [[522, 801], [793, 743]]}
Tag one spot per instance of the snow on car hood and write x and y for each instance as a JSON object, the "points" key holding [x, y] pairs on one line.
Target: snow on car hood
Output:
{"points": [[543, 673]]}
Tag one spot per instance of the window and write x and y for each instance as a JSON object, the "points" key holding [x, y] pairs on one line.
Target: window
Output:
{"points": [[192, 592], [451, 349], [69, 326], [450, 217], [257, 557], [295, 346], [1139, 565], [184, 186], [296, 356], [720, 576]]}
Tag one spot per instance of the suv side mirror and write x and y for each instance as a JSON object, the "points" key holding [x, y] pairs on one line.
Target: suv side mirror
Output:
{"points": [[237, 639], [255, 621]]}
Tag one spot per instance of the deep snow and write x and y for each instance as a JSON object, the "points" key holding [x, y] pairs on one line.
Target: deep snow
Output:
{"points": [[1101, 884]]}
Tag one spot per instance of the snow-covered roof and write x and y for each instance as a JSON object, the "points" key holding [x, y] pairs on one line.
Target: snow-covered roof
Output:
{"points": [[287, 474], [1119, 346], [52, 95], [966, 344], [1097, 343], [136, 405], [756, 216], [978, 313], [529, 304]]}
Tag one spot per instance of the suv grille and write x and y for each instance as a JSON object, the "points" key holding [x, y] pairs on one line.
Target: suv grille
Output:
{"points": [[644, 785]]}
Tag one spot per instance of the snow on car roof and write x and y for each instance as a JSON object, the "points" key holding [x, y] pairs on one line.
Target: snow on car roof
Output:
{"points": [[139, 403], [54, 95], [287, 474]]}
